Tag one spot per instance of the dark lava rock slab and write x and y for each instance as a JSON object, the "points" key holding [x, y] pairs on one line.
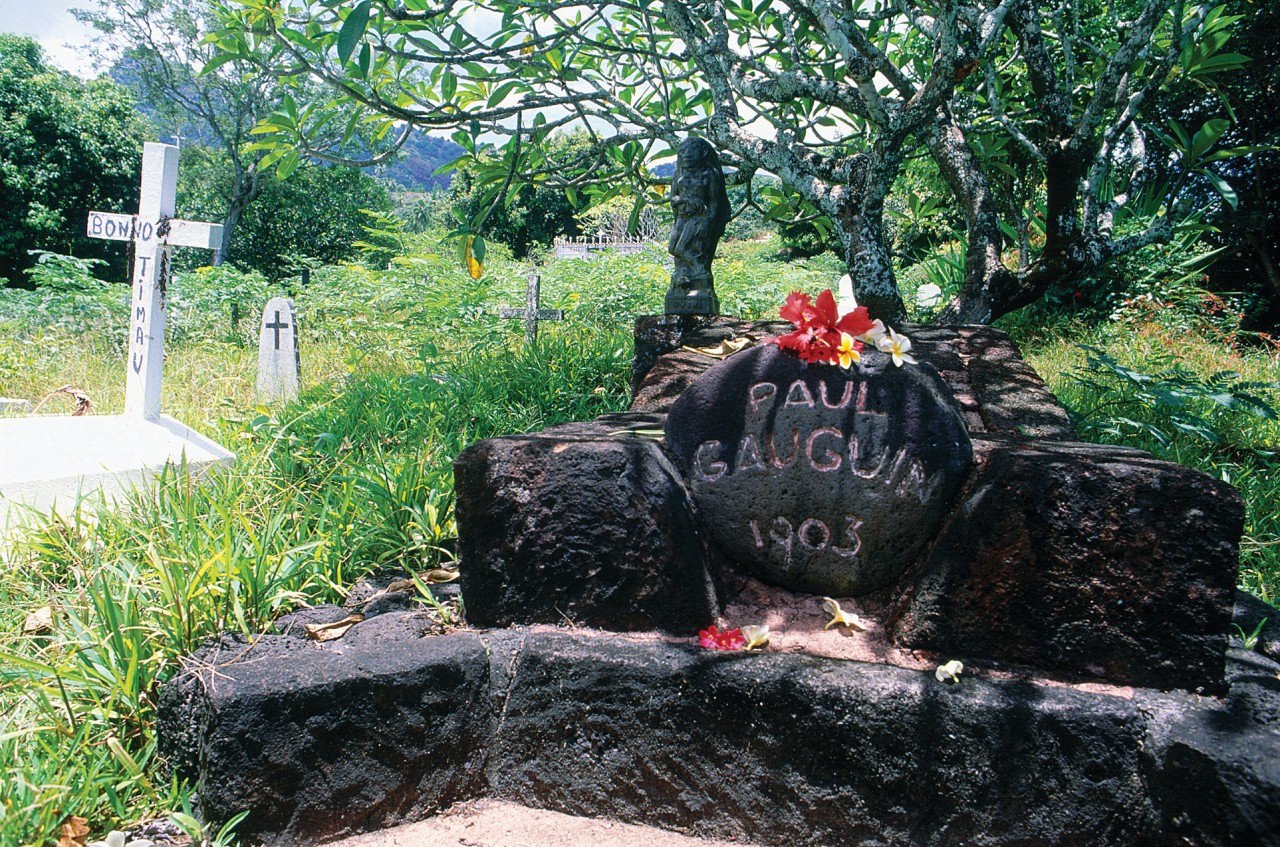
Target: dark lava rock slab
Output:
{"points": [[1208, 769], [323, 740], [666, 361], [1013, 398], [785, 749], [579, 524], [1083, 558], [319, 743], [818, 479]]}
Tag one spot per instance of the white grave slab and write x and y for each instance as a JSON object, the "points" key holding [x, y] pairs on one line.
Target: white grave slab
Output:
{"points": [[278, 360], [46, 462]]}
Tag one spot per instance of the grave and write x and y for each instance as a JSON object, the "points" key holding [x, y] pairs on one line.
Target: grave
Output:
{"points": [[1100, 702], [278, 358], [532, 313], [48, 462], [584, 247], [883, 520]]}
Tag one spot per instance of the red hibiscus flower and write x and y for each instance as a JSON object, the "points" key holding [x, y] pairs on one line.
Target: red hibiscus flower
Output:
{"points": [[820, 328], [730, 639]]}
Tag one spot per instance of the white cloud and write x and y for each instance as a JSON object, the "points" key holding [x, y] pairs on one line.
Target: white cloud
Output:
{"points": [[49, 22]]}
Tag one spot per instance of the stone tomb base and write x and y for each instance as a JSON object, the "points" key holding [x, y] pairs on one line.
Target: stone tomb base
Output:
{"points": [[387, 726], [1081, 561], [51, 462], [1075, 582]]}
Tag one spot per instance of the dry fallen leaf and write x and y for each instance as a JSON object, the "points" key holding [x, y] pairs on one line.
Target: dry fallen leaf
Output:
{"points": [[83, 403], [73, 832], [438, 575], [724, 349], [332, 631], [39, 622], [839, 617]]}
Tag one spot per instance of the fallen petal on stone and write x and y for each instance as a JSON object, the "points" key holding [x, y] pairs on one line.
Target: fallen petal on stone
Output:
{"points": [[950, 672], [757, 637], [839, 617], [724, 349]]}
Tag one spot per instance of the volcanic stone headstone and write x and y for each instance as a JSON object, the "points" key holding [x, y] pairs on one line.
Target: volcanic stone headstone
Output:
{"points": [[818, 479], [278, 364]]}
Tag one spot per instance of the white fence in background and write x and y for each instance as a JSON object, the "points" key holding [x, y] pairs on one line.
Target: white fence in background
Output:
{"points": [[583, 247]]}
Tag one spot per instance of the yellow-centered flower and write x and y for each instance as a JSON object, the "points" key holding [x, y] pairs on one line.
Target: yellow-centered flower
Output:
{"points": [[873, 335], [839, 617], [897, 346], [949, 672], [848, 350]]}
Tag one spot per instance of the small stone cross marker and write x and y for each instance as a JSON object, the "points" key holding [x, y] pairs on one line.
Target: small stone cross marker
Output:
{"points": [[278, 360], [152, 231], [531, 313], [277, 326]]}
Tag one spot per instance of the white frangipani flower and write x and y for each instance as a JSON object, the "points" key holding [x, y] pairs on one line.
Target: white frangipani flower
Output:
{"points": [[897, 346], [950, 672]]}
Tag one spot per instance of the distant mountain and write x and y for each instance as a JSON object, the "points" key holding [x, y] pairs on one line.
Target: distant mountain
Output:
{"points": [[414, 170], [419, 158]]}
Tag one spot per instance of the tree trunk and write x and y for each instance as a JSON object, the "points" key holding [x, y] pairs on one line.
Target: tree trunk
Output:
{"points": [[245, 188], [984, 272], [228, 229], [859, 222], [990, 289], [870, 265]]}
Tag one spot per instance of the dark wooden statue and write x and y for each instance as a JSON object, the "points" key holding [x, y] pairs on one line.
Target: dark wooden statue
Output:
{"points": [[701, 210]]}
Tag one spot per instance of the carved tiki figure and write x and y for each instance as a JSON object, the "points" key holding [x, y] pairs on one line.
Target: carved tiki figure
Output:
{"points": [[701, 209]]}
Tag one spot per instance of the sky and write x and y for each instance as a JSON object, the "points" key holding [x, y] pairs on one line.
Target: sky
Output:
{"points": [[50, 23]]}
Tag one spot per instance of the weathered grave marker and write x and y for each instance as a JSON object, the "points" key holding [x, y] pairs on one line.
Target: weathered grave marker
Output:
{"points": [[153, 231], [50, 457], [531, 312], [278, 360], [815, 478]]}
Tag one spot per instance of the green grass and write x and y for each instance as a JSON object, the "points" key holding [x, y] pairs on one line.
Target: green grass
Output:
{"points": [[1238, 445], [402, 368]]}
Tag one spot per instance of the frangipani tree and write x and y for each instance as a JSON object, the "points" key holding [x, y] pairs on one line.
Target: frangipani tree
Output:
{"points": [[1052, 149], [159, 47], [828, 95]]}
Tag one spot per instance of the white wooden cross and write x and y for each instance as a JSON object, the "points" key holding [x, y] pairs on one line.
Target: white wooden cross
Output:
{"points": [[153, 232]]}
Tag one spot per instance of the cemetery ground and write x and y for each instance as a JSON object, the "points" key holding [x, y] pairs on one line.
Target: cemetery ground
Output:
{"points": [[402, 369]]}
